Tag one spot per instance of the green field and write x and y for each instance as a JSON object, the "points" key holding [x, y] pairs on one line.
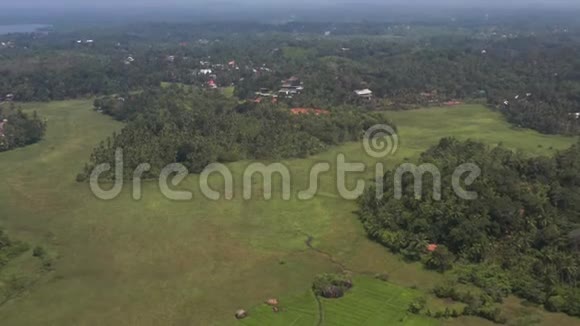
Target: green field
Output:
{"points": [[369, 302], [228, 91], [161, 262]]}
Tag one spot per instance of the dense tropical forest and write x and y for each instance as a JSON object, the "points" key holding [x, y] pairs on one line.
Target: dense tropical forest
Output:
{"points": [[520, 236], [17, 128], [197, 128], [527, 72]]}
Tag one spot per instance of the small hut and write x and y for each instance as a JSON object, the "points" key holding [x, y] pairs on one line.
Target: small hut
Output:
{"points": [[241, 314]]}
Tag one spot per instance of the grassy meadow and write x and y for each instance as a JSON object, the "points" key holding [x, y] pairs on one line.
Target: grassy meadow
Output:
{"points": [[162, 262]]}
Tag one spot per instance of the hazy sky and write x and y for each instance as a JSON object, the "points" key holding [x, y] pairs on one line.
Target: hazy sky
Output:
{"points": [[271, 3]]}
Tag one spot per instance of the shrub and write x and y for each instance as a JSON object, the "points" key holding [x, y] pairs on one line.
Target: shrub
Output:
{"points": [[81, 178], [39, 252], [331, 285], [444, 291], [417, 305], [556, 304], [483, 309], [530, 290], [383, 277], [572, 299], [441, 259]]}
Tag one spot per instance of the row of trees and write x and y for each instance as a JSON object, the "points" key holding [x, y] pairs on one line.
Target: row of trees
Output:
{"points": [[520, 231]]}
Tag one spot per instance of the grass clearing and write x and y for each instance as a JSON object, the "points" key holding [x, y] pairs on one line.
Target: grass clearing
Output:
{"points": [[228, 91], [369, 302], [160, 262], [297, 53]]}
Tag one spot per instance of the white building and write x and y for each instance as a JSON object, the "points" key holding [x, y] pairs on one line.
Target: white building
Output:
{"points": [[2, 124], [364, 93]]}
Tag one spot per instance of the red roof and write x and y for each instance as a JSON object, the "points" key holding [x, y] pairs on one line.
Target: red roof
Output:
{"points": [[452, 103], [432, 247], [297, 111]]}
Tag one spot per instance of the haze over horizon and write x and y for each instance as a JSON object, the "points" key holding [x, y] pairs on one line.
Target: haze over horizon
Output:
{"points": [[301, 4], [84, 12]]}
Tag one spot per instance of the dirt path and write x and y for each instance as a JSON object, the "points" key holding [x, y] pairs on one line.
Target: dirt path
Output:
{"points": [[343, 268], [308, 243], [320, 311]]}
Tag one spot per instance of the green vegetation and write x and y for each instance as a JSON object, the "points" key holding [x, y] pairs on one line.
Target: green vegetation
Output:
{"points": [[331, 286], [520, 231], [298, 54], [299, 310], [17, 272], [9, 249], [229, 91], [368, 303], [196, 128], [234, 93], [529, 73], [198, 262], [18, 129]]}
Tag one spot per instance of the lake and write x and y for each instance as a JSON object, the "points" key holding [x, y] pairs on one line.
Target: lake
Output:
{"points": [[21, 28]]}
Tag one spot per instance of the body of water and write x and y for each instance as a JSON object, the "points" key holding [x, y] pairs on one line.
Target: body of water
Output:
{"points": [[23, 28]]}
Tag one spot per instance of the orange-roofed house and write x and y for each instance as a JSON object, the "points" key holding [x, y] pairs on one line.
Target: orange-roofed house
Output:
{"points": [[432, 247], [297, 111]]}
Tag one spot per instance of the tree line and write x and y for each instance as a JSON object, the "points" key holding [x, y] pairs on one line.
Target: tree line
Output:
{"points": [[521, 235], [196, 128], [529, 74]]}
